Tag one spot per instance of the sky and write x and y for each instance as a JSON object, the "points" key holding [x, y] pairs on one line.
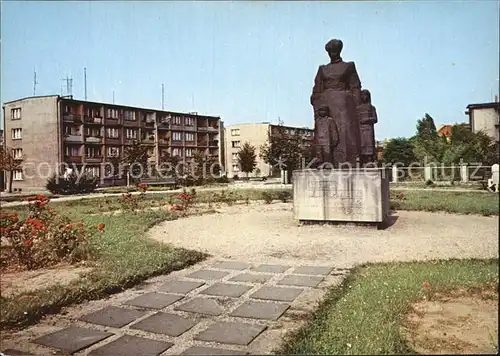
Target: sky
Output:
{"points": [[255, 61]]}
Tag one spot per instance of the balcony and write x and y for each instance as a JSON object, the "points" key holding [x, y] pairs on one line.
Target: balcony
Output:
{"points": [[164, 142], [148, 123], [129, 141], [112, 121], [202, 143], [74, 118], [73, 138], [213, 129], [176, 143], [93, 159], [213, 143], [190, 143], [131, 123], [73, 159], [176, 127], [92, 120], [163, 124], [202, 128], [91, 139], [148, 141], [113, 141]]}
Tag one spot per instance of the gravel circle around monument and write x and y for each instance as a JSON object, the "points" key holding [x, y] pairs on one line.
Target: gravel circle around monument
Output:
{"points": [[263, 233]]}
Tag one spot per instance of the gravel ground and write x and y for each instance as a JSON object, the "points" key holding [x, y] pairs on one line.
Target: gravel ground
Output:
{"points": [[264, 233]]}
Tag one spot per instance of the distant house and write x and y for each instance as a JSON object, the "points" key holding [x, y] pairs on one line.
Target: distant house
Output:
{"points": [[485, 117], [446, 130]]}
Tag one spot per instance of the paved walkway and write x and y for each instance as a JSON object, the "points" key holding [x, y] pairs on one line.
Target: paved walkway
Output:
{"points": [[213, 308]]}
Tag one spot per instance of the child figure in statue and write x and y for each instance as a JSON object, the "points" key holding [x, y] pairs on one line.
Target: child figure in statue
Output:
{"points": [[326, 135], [367, 119]]}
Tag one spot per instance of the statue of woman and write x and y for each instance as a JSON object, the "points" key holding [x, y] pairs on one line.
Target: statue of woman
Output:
{"points": [[367, 118], [337, 86]]}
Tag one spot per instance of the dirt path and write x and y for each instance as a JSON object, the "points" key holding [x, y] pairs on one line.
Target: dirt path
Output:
{"points": [[263, 233]]}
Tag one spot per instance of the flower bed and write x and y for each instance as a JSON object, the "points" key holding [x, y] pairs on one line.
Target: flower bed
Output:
{"points": [[42, 239]]}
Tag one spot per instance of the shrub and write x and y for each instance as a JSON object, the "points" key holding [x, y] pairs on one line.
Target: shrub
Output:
{"points": [[44, 238], [267, 197], [142, 187], [429, 183], [130, 202], [284, 195], [222, 179], [71, 184], [184, 200], [236, 177]]}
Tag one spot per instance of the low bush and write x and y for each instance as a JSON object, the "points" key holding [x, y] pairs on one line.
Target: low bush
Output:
{"points": [[43, 238], [268, 197], [222, 179], [71, 184], [284, 195]]}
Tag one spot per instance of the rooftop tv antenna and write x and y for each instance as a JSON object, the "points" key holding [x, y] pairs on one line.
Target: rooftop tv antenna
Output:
{"points": [[162, 96], [85, 82], [34, 82], [69, 85]]}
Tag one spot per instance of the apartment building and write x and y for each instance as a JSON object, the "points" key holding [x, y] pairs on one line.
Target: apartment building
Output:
{"points": [[47, 131], [257, 134], [485, 118]]}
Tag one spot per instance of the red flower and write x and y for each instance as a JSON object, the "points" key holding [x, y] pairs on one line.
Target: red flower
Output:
{"points": [[426, 284], [100, 227], [28, 243], [69, 226]]}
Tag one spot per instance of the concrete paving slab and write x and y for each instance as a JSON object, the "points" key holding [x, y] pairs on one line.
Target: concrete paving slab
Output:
{"points": [[200, 350], [260, 310], [180, 287], [207, 274], [231, 333], [128, 345], [207, 306], [232, 265], [270, 268], [154, 300], [164, 323], [72, 339], [281, 294], [313, 270], [301, 281], [227, 290], [113, 316], [251, 278]]}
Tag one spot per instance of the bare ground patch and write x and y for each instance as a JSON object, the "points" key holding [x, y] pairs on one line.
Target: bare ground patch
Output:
{"points": [[459, 322], [16, 282]]}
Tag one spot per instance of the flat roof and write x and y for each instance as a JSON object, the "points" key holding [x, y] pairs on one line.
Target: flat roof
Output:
{"points": [[484, 105], [68, 98]]}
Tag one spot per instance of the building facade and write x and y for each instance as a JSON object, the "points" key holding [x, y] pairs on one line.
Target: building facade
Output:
{"points": [[48, 132], [256, 134], [485, 118]]}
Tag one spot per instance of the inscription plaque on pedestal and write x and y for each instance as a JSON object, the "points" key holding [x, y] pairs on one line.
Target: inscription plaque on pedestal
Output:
{"points": [[358, 195]]}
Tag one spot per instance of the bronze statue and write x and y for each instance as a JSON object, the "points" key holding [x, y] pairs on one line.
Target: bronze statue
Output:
{"points": [[367, 118], [326, 135], [337, 86]]}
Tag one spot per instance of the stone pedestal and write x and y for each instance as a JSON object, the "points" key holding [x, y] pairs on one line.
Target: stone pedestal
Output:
{"points": [[350, 196]]}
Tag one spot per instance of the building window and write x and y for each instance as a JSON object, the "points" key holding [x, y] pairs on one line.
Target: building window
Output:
{"points": [[17, 134], [235, 156], [129, 115], [71, 151], [93, 112], [131, 134], [177, 152], [93, 171], [112, 132], [18, 175], [92, 132], [177, 136], [112, 113], [235, 144], [92, 152], [189, 136], [113, 151], [236, 168], [15, 114], [176, 120], [189, 152], [17, 153], [189, 121], [67, 109], [235, 132]]}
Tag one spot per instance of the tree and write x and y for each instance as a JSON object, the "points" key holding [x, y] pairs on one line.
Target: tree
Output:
{"points": [[285, 151], [204, 166], [469, 147], [136, 159], [399, 150], [114, 167], [247, 158], [429, 146], [168, 164], [9, 163]]}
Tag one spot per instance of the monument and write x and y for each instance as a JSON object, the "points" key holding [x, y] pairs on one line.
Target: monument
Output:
{"points": [[345, 185]]}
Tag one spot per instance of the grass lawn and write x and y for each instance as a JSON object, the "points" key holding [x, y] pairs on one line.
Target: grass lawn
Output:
{"points": [[365, 314], [123, 258]]}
